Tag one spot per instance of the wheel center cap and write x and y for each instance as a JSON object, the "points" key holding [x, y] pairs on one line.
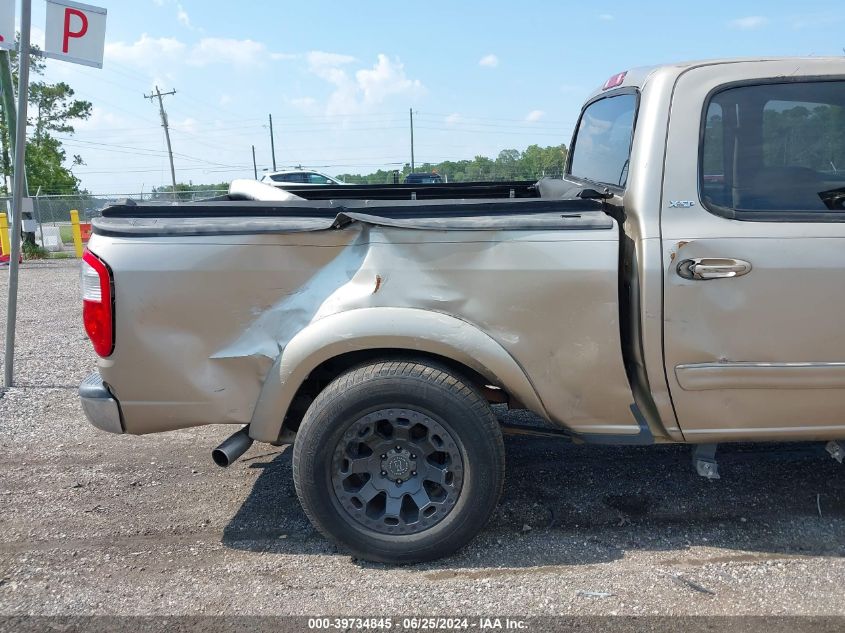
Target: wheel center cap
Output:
{"points": [[398, 464]]}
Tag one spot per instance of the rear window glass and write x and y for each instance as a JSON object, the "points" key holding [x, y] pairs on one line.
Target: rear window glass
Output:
{"points": [[775, 148], [602, 145], [289, 177]]}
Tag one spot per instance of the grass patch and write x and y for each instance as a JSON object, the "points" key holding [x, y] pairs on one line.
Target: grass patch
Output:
{"points": [[66, 232], [33, 251], [62, 255]]}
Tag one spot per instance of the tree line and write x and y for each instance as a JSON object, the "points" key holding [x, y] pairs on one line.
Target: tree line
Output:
{"points": [[530, 164]]}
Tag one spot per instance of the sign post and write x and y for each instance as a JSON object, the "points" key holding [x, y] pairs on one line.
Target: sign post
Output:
{"points": [[76, 33], [17, 192]]}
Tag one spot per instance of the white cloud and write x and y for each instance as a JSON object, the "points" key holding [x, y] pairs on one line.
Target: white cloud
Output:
{"points": [[489, 61], [366, 87], [321, 59], [534, 116], [387, 77], [225, 99], [154, 53], [606, 17], [101, 119], [221, 50], [283, 56], [453, 119], [748, 23], [188, 125], [147, 52], [182, 16], [36, 36]]}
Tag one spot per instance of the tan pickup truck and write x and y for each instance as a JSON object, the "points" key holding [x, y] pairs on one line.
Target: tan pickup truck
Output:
{"points": [[684, 282]]}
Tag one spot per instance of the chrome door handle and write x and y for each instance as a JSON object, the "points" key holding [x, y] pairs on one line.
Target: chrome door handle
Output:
{"points": [[713, 268]]}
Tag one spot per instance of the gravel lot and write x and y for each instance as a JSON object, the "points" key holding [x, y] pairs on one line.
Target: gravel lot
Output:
{"points": [[97, 524]]}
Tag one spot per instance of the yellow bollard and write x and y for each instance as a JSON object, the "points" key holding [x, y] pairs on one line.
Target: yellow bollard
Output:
{"points": [[5, 244], [77, 232]]}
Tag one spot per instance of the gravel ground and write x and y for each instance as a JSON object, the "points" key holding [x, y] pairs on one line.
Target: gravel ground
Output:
{"points": [[92, 523]]}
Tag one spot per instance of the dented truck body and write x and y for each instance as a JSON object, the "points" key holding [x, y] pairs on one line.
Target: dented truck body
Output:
{"points": [[486, 292], [681, 283]]}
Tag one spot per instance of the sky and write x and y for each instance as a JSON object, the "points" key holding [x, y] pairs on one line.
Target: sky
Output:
{"points": [[340, 78]]}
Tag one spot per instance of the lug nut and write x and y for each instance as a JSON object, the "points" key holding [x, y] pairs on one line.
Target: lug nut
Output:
{"points": [[384, 456], [398, 482], [413, 473], [413, 456], [398, 448], [384, 473]]}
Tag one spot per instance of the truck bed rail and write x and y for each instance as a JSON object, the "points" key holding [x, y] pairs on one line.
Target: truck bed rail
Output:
{"points": [[430, 191]]}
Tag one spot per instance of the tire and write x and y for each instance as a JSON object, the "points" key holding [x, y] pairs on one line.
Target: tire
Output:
{"points": [[399, 462]]}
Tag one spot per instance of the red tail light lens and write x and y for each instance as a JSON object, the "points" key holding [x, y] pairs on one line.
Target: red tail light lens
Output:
{"points": [[97, 303]]}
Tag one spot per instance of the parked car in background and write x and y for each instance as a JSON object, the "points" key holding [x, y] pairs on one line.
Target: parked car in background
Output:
{"points": [[423, 178], [299, 178]]}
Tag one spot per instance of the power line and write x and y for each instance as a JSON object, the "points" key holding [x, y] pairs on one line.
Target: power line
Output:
{"points": [[160, 94], [107, 147]]}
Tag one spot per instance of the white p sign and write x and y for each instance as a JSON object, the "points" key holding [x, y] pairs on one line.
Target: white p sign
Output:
{"points": [[75, 32], [7, 24]]}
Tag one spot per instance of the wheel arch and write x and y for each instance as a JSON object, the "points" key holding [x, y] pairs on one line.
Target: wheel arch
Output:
{"points": [[328, 347]]}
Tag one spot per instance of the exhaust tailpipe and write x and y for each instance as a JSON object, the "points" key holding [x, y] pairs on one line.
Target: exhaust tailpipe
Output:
{"points": [[232, 448]]}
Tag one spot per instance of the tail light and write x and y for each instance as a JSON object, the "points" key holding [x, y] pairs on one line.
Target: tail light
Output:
{"points": [[97, 311]]}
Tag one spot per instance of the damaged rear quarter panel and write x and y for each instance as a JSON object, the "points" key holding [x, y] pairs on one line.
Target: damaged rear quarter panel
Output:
{"points": [[202, 320]]}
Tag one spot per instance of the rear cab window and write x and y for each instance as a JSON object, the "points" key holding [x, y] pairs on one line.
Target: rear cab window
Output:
{"points": [[601, 148], [775, 151]]}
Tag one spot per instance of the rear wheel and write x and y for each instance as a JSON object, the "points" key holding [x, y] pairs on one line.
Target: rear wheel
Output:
{"points": [[399, 462]]}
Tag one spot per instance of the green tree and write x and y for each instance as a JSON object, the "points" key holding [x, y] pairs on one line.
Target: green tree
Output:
{"points": [[510, 164], [45, 167], [187, 191], [53, 110]]}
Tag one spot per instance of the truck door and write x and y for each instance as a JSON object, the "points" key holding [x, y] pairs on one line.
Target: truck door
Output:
{"points": [[753, 242]]}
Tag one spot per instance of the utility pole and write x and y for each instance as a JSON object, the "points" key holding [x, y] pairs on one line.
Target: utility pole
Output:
{"points": [[254, 166], [412, 140], [159, 94], [272, 143]]}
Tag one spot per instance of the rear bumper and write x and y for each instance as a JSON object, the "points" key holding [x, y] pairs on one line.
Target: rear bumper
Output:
{"points": [[100, 406]]}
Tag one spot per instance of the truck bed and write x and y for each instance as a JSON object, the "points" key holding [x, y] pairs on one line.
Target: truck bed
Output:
{"points": [[213, 298], [233, 217]]}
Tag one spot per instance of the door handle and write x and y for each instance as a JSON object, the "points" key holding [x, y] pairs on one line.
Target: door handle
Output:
{"points": [[713, 268]]}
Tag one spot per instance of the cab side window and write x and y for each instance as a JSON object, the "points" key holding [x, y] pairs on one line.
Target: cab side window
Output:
{"points": [[602, 146], [774, 149]]}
